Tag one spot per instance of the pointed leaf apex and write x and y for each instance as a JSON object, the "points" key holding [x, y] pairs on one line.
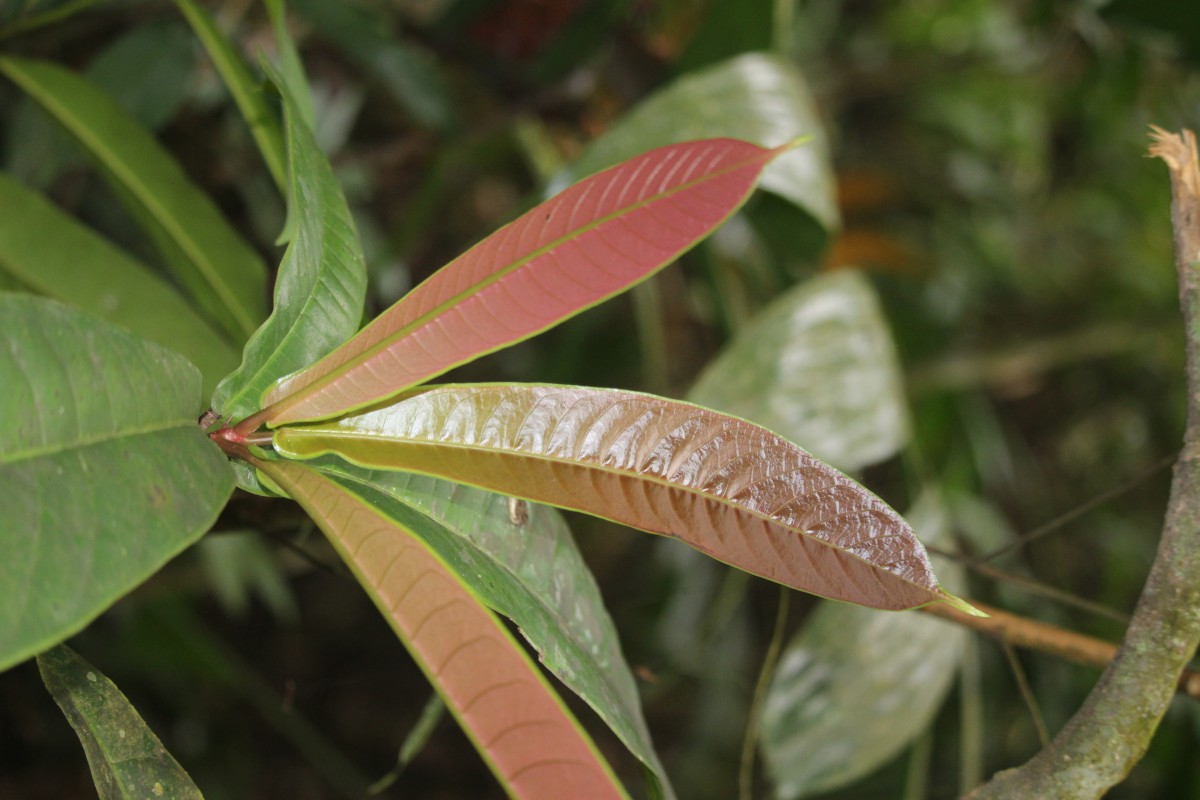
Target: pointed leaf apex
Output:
{"points": [[792, 144], [959, 604]]}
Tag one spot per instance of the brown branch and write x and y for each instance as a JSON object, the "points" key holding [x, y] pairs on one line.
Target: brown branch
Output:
{"points": [[1111, 731], [1030, 634]]}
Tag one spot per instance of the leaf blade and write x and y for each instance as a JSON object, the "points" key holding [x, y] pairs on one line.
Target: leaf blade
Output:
{"points": [[223, 274], [531, 572], [127, 760], [322, 280], [106, 474], [532, 274], [493, 690], [56, 256], [727, 487]]}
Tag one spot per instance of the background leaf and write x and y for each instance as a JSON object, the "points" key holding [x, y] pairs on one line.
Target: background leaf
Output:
{"points": [[856, 686], [531, 572], [321, 283], [583, 246], [818, 366], [532, 743], [725, 486], [754, 97], [50, 253], [128, 761], [105, 473], [222, 273]]}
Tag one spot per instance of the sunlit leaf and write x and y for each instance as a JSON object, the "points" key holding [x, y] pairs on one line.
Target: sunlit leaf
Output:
{"points": [[246, 91], [531, 742], [52, 254], [590, 242], [523, 564], [817, 366], [321, 283], [727, 487], [754, 97], [128, 761], [856, 686], [106, 475], [223, 274]]}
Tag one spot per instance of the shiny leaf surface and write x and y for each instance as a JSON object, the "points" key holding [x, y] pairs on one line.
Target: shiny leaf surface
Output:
{"points": [[817, 366], [755, 97], [524, 564], [54, 255], [856, 686], [216, 266], [729, 488], [321, 283], [128, 761], [588, 243], [106, 475], [504, 704]]}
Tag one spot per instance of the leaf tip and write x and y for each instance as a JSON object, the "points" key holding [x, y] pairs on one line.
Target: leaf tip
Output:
{"points": [[792, 144], [959, 604]]}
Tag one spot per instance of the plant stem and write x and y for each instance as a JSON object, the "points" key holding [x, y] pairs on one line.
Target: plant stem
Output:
{"points": [[1111, 731]]}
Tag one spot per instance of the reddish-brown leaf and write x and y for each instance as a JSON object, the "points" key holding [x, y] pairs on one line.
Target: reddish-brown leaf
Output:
{"points": [[531, 742], [729, 488], [590, 242]]}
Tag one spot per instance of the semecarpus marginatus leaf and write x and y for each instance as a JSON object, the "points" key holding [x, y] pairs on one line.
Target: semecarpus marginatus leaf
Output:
{"points": [[519, 725], [731, 489], [592, 241]]}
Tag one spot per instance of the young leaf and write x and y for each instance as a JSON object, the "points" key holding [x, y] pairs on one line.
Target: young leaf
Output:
{"points": [[52, 254], [519, 725], [729, 488], [530, 571], [755, 97], [321, 283], [856, 686], [222, 273], [128, 761], [246, 91], [583, 246], [817, 366], [106, 475]]}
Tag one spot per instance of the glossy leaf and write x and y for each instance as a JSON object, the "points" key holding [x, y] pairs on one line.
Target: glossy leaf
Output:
{"points": [[222, 273], [531, 742], [529, 570], [52, 254], [755, 97], [729, 488], [246, 91], [128, 761], [817, 366], [590, 242], [321, 283], [856, 686], [106, 475]]}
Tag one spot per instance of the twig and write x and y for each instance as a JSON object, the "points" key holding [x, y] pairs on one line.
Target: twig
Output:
{"points": [[1109, 734], [1031, 703]]}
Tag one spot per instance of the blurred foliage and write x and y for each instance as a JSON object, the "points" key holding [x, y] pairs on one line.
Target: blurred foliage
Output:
{"points": [[990, 182]]}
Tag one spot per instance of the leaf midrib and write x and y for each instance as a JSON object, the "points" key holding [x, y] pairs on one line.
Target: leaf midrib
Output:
{"points": [[13, 457]]}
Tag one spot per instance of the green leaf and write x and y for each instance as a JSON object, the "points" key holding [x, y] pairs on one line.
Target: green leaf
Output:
{"points": [[290, 64], [50, 253], [106, 475], [222, 273], [856, 686], [321, 284], [532, 743], [818, 367], [128, 761], [247, 92], [727, 487], [523, 564], [753, 97], [591, 242]]}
